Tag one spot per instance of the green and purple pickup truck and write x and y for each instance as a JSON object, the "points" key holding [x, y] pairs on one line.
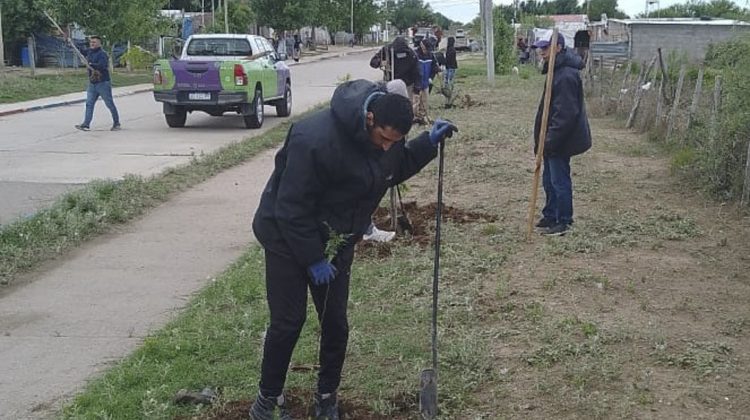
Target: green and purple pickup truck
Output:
{"points": [[220, 73]]}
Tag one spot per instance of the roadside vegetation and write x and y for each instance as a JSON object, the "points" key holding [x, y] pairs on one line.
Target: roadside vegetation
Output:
{"points": [[17, 86], [640, 311]]}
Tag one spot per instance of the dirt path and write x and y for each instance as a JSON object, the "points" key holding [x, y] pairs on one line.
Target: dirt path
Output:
{"points": [[643, 311]]}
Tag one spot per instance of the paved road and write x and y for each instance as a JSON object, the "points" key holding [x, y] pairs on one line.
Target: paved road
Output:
{"points": [[71, 319], [42, 155]]}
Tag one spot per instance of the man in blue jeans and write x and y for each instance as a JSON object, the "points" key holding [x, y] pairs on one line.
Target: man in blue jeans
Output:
{"points": [[568, 134], [99, 85]]}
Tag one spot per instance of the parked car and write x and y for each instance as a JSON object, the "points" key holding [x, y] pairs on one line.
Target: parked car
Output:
{"points": [[218, 73]]}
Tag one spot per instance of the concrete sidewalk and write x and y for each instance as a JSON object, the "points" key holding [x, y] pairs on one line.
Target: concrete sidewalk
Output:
{"points": [[80, 97]]}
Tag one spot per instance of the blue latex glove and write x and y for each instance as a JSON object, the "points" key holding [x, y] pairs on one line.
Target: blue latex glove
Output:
{"points": [[322, 272], [440, 130]]}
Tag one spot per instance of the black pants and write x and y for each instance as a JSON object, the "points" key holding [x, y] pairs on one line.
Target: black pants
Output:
{"points": [[286, 290]]}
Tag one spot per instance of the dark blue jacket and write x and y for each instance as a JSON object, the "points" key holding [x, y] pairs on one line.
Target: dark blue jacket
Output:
{"points": [[568, 132], [98, 60], [428, 67], [329, 175]]}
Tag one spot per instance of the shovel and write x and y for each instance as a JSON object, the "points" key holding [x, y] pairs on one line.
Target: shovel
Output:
{"points": [[428, 401]]}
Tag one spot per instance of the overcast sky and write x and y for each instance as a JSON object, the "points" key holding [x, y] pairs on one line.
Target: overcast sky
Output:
{"points": [[466, 10]]}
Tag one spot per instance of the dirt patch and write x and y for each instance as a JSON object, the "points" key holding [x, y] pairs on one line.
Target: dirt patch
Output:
{"points": [[422, 222], [300, 403]]}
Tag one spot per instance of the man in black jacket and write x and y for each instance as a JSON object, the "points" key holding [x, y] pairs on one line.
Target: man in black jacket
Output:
{"points": [[329, 177], [400, 59], [568, 135], [99, 85]]}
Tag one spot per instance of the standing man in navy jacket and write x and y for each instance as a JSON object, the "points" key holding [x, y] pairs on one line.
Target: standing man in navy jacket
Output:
{"points": [[568, 135], [99, 85]]}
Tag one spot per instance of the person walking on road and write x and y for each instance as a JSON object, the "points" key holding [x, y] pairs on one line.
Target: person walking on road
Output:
{"points": [[100, 85], [330, 175], [568, 135]]}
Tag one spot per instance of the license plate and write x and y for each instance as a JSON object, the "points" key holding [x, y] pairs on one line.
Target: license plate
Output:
{"points": [[199, 96]]}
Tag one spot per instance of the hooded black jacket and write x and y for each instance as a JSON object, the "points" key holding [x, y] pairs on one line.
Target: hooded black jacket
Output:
{"points": [[405, 60], [568, 132], [328, 175]]}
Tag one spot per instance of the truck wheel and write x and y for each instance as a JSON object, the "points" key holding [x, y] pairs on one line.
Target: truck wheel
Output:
{"points": [[177, 120], [284, 105], [255, 120]]}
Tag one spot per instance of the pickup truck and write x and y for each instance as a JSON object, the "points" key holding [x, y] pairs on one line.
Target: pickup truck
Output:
{"points": [[462, 43], [219, 73]]}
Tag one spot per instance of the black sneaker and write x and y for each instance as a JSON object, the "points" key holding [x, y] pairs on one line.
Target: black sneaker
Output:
{"points": [[83, 127], [326, 406], [545, 223], [264, 408], [558, 229], [116, 127]]}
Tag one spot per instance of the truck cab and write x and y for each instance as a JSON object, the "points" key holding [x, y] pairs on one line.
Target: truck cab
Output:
{"points": [[218, 73]]}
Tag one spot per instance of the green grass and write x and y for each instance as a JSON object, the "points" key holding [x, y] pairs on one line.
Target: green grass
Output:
{"points": [[22, 87], [79, 215], [217, 341]]}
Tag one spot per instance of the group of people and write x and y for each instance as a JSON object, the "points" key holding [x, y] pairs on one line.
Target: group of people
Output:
{"points": [[286, 45], [331, 174], [417, 68]]}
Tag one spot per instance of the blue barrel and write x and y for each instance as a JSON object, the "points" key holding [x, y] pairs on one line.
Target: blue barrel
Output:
{"points": [[25, 57]]}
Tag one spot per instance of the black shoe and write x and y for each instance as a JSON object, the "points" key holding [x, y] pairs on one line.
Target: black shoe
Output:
{"points": [[559, 229], [264, 408], [116, 127], [545, 223], [326, 406], [83, 127]]}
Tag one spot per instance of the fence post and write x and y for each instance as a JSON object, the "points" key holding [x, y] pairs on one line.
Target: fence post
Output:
{"points": [[659, 104], [625, 79], [639, 94], [746, 185], [715, 110], [601, 76], [696, 97], [664, 76], [32, 56], [676, 102]]}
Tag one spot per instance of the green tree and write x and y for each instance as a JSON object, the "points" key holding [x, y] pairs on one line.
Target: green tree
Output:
{"points": [[114, 20], [565, 7], [715, 8], [442, 20], [21, 18], [186, 5], [408, 13], [240, 17], [504, 50], [597, 7]]}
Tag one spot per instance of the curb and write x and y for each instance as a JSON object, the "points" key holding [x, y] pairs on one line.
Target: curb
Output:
{"points": [[133, 92], [322, 57], [64, 103]]}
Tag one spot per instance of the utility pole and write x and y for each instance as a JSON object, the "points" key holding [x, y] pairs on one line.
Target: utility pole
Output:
{"points": [[489, 41], [226, 16], [352, 22], [2, 46]]}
